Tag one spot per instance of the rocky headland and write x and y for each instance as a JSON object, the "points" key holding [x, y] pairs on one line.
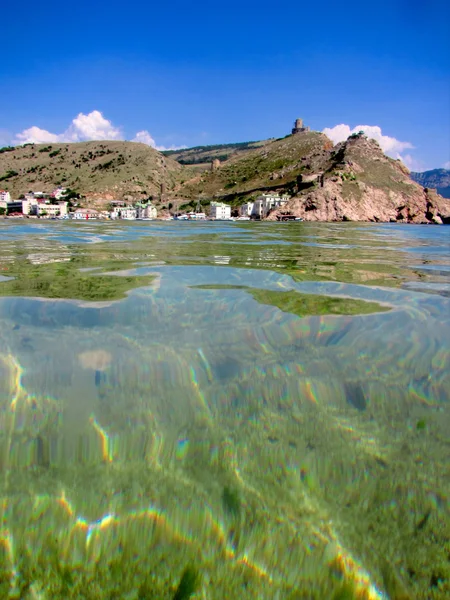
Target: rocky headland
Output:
{"points": [[359, 182]]}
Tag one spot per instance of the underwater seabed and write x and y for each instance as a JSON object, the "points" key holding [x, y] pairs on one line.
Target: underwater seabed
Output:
{"points": [[272, 496]]}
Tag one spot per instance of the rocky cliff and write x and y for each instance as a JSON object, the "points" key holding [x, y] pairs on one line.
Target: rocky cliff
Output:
{"points": [[352, 181], [356, 181]]}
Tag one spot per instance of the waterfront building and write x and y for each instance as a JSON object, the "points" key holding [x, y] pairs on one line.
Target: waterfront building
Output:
{"points": [[5, 197], [129, 213], [219, 210], [267, 202], [30, 205], [86, 213], [10, 206], [146, 210], [196, 216], [63, 208], [117, 208], [121, 210], [246, 209], [52, 210]]}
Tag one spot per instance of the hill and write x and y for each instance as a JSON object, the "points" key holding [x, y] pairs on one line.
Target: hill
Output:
{"points": [[100, 171], [274, 165], [358, 182], [439, 179], [202, 156], [352, 181]]}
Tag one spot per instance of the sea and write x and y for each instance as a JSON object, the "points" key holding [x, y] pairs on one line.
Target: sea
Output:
{"points": [[224, 410]]}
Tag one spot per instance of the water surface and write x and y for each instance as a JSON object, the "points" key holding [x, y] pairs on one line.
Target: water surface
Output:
{"points": [[224, 410]]}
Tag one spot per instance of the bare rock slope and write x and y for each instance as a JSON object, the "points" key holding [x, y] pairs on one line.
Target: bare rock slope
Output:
{"points": [[358, 182]]}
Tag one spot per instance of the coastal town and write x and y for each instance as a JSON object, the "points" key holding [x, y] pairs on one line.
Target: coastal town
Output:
{"points": [[302, 176], [62, 204]]}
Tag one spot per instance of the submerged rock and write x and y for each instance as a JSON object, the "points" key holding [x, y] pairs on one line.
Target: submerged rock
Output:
{"points": [[355, 396]]}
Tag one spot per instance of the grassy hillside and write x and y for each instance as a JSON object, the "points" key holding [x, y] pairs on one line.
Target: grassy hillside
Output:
{"points": [[359, 161], [274, 165], [104, 170], [204, 155]]}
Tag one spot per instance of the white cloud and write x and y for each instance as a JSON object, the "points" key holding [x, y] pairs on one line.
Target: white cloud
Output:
{"points": [[144, 137], [92, 126], [412, 163], [447, 165], [35, 135], [388, 144]]}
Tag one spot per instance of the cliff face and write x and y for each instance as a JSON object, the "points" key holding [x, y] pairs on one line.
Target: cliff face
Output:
{"points": [[359, 183]]}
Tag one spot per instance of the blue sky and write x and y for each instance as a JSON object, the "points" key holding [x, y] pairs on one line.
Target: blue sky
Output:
{"points": [[186, 73]]}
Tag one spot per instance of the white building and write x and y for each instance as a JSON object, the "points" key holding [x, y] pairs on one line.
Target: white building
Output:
{"points": [[146, 211], [124, 211], [221, 211], [86, 213], [246, 209], [116, 212], [129, 213], [196, 216], [152, 213], [63, 208], [30, 206], [5, 197], [267, 202], [51, 210]]}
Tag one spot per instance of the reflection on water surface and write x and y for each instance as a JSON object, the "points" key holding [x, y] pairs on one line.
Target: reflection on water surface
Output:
{"points": [[224, 411]]}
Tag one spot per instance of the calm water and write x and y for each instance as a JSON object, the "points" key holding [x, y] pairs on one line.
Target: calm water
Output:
{"points": [[224, 411]]}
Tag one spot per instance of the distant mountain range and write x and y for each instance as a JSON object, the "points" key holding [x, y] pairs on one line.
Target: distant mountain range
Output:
{"points": [[438, 179]]}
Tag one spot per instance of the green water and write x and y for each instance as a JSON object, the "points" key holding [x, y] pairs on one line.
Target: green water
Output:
{"points": [[204, 410]]}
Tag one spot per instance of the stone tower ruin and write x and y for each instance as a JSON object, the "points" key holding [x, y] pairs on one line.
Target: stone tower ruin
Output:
{"points": [[298, 127]]}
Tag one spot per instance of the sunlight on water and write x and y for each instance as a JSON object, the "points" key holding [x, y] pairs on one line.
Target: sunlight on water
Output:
{"points": [[272, 425]]}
